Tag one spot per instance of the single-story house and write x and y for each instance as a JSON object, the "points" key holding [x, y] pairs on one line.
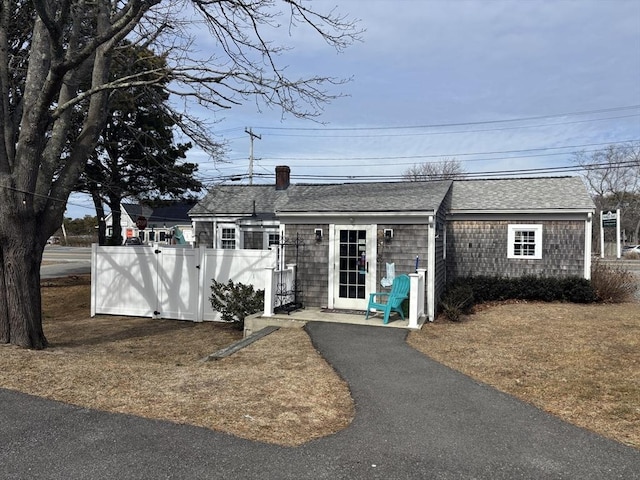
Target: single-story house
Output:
{"points": [[344, 237], [162, 223]]}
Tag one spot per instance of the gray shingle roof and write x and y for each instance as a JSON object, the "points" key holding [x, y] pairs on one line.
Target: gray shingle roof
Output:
{"points": [[548, 193], [366, 197], [345, 197], [135, 210], [174, 214], [238, 200]]}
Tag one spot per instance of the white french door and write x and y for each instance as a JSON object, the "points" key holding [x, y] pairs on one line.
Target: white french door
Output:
{"points": [[354, 265]]}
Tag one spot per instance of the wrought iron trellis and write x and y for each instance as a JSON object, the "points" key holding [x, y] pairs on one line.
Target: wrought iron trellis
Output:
{"points": [[288, 298]]}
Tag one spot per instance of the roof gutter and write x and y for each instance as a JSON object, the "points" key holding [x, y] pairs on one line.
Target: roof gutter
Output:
{"points": [[419, 213], [359, 218], [453, 212]]}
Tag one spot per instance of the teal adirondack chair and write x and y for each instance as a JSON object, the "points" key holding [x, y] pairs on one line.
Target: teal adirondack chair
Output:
{"points": [[398, 294]]}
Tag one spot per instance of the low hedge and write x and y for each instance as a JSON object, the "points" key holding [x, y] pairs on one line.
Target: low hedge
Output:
{"points": [[461, 294]]}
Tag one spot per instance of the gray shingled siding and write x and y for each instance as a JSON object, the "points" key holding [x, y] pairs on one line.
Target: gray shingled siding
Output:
{"points": [[408, 242], [440, 261], [313, 271], [480, 248]]}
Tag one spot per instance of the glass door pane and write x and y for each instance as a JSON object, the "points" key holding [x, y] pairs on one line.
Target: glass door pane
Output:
{"points": [[353, 264]]}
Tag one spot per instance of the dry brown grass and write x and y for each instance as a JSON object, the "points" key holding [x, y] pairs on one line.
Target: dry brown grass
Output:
{"points": [[277, 390], [579, 362]]}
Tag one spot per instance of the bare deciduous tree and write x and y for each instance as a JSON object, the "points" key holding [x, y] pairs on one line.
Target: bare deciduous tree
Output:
{"points": [[48, 50], [613, 178], [445, 169]]}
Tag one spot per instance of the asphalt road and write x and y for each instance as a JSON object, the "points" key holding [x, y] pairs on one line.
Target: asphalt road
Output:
{"points": [[59, 261], [415, 419]]}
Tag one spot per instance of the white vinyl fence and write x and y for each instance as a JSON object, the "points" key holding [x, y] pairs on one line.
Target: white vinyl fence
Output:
{"points": [[169, 281]]}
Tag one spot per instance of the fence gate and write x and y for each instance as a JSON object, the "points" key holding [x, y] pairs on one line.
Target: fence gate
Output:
{"points": [[145, 281], [178, 283], [169, 281]]}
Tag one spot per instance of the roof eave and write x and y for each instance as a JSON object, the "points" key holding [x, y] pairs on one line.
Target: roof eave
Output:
{"points": [[520, 211], [356, 213]]}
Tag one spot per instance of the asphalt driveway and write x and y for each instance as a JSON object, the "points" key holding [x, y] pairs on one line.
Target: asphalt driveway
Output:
{"points": [[415, 419]]}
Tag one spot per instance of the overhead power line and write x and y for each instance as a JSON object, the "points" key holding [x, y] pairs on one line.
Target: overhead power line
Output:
{"points": [[456, 124], [378, 178], [464, 154], [491, 173], [399, 177], [446, 132]]}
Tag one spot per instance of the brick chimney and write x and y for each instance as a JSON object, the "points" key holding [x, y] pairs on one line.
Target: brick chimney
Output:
{"points": [[282, 177]]}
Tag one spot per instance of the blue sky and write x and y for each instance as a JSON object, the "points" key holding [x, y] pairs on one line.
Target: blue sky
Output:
{"points": [[498, 84]]}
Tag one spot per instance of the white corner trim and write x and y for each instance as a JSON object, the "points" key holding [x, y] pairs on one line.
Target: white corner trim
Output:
{"points": [[588, 243], [431, 272]]}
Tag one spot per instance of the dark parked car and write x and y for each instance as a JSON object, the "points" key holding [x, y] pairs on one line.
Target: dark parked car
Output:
{"points": [[133, 241]]}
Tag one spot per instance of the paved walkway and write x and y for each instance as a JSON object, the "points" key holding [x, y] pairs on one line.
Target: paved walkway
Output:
{"points": [[415, 419]]}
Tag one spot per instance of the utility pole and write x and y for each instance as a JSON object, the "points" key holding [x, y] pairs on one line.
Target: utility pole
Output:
{"points": [[251, 137]]}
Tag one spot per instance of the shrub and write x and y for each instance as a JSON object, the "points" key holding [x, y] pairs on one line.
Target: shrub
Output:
{"points": [[612, 285], [457, 301], [235, 301], [485, 288], [490, 289], [578, 290]]}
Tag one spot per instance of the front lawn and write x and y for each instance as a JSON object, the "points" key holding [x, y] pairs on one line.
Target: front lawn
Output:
{"points": [[579, 362]]}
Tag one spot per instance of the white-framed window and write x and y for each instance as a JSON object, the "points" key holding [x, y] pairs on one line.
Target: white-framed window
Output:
{"points": [[228, 237], [272, 239], [525, 242]]}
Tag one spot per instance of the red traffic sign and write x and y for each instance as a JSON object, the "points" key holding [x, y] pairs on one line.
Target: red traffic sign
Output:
{"points": [[141, 222]]}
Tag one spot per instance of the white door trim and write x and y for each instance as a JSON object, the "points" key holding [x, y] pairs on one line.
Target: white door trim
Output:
{"points": [[333, 300]]}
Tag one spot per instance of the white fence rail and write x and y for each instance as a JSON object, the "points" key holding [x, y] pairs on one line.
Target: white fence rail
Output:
{"points": [[166, 281]]}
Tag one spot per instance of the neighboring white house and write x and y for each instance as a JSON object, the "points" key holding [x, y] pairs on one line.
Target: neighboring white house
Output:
{"points": [[163, 224]]}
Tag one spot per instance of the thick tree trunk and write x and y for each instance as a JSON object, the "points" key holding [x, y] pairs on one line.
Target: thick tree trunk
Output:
{"points": [[102, 224], [116, 220], [20, 301]]}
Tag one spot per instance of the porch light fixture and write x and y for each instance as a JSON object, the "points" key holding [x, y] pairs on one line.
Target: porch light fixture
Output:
{"points": [[318, 234], [388, 234]]}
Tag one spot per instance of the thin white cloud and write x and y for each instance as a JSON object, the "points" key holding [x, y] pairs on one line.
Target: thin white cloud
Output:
{"points": [[454, 61], [459, 61]]}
